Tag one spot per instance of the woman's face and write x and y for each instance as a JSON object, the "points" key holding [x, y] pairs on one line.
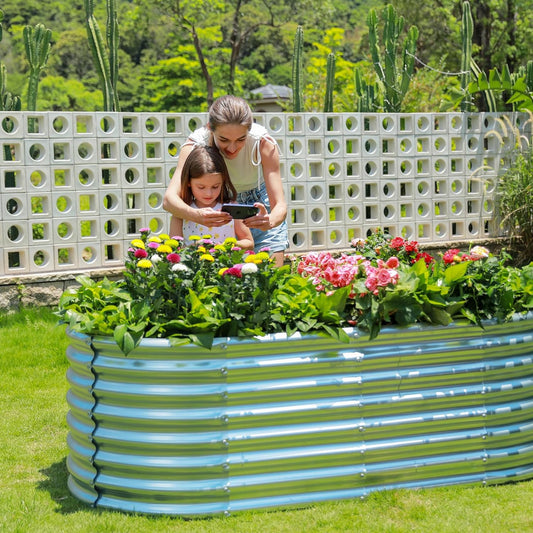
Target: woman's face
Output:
{"points": [[206, 189], [229, 139]]}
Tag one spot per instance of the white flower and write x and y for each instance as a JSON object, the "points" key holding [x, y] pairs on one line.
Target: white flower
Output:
{"points": [[249, 268], [179, 267], [479, 252], [155, 259]]}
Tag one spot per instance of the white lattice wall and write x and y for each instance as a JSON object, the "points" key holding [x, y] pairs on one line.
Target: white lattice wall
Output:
{"points": [[77, 187]]}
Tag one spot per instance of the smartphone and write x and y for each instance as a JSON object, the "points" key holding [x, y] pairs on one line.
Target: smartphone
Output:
{"points": [[240, 210]]}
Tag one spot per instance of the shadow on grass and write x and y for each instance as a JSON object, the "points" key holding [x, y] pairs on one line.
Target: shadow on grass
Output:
{"points": [[56, 484]]}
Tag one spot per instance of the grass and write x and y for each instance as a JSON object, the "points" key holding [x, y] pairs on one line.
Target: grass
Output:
{"points": [[33, 478]]}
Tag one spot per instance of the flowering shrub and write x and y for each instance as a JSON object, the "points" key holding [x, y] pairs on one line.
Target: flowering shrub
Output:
{"points": [[392, 282], [196, 293], [205, 290]]}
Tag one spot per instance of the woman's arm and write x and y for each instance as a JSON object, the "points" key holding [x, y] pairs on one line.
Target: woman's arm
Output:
{"points": [[274, 187], [173, 203]]}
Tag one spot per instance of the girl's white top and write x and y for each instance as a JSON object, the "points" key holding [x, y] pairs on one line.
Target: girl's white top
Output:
{"points": [[218, 234]]}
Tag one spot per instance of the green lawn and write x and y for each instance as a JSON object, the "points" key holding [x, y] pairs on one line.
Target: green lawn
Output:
{"points": [[33, 479]]}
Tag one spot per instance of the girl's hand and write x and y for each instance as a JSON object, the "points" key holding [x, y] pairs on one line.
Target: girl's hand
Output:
{"points": [[261, 220], [207, 216]]}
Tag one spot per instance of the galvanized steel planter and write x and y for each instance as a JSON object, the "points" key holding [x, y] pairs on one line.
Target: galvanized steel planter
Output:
{"points": [[280, 422]]}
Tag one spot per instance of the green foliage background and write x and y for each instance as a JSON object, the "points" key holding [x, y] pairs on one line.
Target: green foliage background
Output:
{"points": [[159, 68]]}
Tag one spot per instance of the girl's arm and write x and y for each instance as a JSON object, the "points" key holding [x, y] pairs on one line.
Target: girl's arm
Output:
{"points": [[176, 227], [243, 236]]}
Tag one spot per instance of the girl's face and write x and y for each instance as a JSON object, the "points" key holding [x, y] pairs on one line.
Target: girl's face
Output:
{"points": [[206, 189], [229, 139]]}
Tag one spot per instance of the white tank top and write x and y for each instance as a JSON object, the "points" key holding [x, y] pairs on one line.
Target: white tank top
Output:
{"points": [[219, 234], [245, 170]]}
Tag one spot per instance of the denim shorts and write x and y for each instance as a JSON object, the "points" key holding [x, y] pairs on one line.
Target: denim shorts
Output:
{"points": [[275, 239]]}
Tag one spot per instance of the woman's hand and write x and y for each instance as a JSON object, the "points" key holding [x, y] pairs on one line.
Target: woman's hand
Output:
{"points": [[261, 220], [207, 216]]}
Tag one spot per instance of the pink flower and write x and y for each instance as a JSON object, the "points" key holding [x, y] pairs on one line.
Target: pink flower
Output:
{"points": [[371, 282], [397, 243], [153, 245], [235, 270], [173, 257], [392, 262], [140, 253], [384, 277]]}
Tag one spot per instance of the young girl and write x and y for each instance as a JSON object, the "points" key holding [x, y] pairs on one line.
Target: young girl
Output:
{"points": [[252, 159], [206, 185]]}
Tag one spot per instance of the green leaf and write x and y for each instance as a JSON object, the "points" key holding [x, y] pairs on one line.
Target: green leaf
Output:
{"points": [[455, 272]]}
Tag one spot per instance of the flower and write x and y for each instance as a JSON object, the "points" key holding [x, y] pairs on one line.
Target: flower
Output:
{"points": [[204, 290]]}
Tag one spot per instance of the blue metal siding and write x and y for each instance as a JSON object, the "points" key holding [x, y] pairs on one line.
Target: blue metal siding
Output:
{"points": [[280, 422]]}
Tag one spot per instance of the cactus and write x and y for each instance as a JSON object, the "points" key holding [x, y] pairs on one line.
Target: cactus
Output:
{"points": [[297, 71], [395, 81], [37, 44], [8, 102], [467, 30], [106, 65], [370, 95], [330, 80]]}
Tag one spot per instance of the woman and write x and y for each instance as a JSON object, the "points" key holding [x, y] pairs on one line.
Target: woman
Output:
{"points": [[252, 158]]}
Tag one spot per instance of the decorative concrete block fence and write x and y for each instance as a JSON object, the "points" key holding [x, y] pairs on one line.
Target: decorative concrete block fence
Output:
{"points": [[76, 187], [282, 422]]}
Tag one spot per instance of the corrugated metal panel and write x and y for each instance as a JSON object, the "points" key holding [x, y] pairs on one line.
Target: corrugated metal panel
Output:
{"points": [[280, 422]]}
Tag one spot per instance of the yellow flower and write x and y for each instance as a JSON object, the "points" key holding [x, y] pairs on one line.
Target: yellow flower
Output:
{"points": [[230, 241], [262, 256], [222, 270], [155, 238], [219, 247], [164, 249], [206, 237], [250, 258], [171, 242], [202, 249], [137, 243], [164, 236], [207, 257], [144, 263], [194, 238]]}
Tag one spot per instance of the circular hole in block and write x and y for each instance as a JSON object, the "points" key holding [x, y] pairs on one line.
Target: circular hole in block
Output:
{"points": [[60, 124], [173, 149], [389, 212], [316, 192], [473, 228], [371, 168], [489, 184], [64, 230], [295, 147], [88, 254], [317, 215], [423, 209], [15, 233], [152, 125], [423, 188], [334, 147], [406, 232], [111, 227], [296, 170], [37, 152], [313, 124], [457, 186], [406, 145], [107, 124], [132, 175], [86, 177], [298, 239], [156, 225], [9, 124], [387, 123], [37, 178], [457, 207], [456, 122], [371, 146], [334, 169], [472, 143], [440, 230], [354, 214], [275, 124], [85, 150], [110, 202], [353, 191], [64, 204], [193, 124], [155, 200], [488, 206], [423, 123], [406, 167], [131, 149], [440, 166], [389, 190], [351, 123], [41, 258], [335, 237]]}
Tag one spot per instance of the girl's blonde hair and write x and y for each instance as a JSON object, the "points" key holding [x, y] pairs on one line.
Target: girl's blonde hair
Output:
{"points": [[230, 109], [206, 160]]}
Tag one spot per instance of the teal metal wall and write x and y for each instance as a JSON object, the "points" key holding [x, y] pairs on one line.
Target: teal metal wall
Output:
{"points": [[283, 422]]}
